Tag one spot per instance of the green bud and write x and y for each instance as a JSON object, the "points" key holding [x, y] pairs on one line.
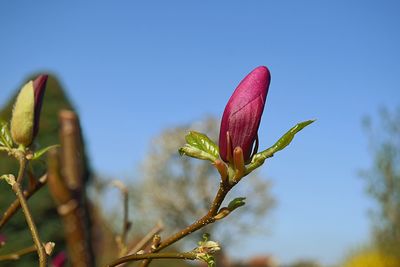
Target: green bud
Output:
{"points": [[23, 114], [26, 112]]}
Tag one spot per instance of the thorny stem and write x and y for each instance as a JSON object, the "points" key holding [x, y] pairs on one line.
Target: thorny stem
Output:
{"points": [[205, 220], [149, 256], [16, 187], [18, 254]]}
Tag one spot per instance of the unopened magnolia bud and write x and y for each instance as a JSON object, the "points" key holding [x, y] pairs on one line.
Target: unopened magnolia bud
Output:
{"points": [[26, 112], [242, 114]]}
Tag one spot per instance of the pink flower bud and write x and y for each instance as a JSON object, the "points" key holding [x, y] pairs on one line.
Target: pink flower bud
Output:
{"points": [[242, 114], [59, 260]]}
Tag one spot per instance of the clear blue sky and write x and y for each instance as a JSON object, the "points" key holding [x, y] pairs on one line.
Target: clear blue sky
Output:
{"points": [[133, 69]]}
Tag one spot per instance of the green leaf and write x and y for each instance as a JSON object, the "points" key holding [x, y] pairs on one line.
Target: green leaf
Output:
{"points": [[259, 158], [202, 142], [285, 140], [42, 151], [199, 146], [236, 203], [209, 259], [193, 152], [205, 250], [5, 135]]}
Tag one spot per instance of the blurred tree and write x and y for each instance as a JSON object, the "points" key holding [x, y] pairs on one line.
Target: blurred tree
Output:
{"points": [[369, 257], [305, 263], [41, 204], [383, 180], [178, 190]]}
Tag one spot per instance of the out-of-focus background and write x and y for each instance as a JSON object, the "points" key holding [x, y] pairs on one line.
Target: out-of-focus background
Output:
{"points": [[141, 74]]}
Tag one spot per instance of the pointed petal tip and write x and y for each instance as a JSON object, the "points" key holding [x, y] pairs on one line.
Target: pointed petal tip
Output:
{"points": [[40, 81], [42, 77]]}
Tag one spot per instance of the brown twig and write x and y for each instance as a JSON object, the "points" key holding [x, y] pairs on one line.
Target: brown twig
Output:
{"points": [[125, 197], [147, 238], [15, 205], [149, 256], [22, 166], [18, 254], [205, 220], [16, 187], [144, 241]]}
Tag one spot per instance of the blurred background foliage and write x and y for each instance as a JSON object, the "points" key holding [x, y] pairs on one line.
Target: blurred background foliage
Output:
{"points": [[383, 181]]}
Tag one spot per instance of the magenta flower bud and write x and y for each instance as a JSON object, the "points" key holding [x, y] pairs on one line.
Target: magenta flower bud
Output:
{"points": [[242, 115]]}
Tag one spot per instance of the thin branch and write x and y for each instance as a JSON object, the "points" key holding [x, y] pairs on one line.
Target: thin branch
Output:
{"points": [[15, 205], [144, 241], [125, 196], [205, 220], [147, 238], [32, 227], [150, 256], [22, 167], [18, 254]]}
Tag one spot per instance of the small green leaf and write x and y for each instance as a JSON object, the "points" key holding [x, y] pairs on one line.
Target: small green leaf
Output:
{"points": [[9, 178], [5, 135], [202, 142], [259, 158], [199, 146], [42, 151], [209, 259], [285, 140], [205, 250], [236, 203], [194, 152]]}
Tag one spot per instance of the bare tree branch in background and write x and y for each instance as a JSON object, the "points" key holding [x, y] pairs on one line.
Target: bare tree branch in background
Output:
{"points": [[179, 189]]}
